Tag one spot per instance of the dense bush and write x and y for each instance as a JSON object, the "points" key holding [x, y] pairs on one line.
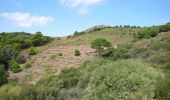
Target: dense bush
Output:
{"points": [[165, 28], [14, 66], [148, 33], [100, 44], [67, 79], [122, 80], [77, 53], [7, 53], [120, 53], [2, 75], [163, 87]]}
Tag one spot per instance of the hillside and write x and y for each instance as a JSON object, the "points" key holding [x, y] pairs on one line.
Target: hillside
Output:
{"points": [[108, 63], [48, 61], [113, 35]]}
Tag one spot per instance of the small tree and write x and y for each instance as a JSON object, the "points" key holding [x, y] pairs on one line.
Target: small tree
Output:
{"points": [[37, 39], [100, 44]]}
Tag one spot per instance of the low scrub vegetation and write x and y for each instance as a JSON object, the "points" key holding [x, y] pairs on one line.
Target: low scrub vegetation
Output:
{"points": [[122, 80], [77, 53], [28, 64], [12, 43], [14, 66], [32, 51]]}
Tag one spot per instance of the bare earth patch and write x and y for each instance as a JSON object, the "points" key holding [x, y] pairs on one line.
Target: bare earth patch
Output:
{"points": [[52, 61]]}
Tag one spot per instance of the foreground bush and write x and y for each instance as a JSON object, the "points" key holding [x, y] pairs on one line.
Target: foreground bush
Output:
{"points": [[122, 80], [163, 87], [26, 92], [67, 79]]}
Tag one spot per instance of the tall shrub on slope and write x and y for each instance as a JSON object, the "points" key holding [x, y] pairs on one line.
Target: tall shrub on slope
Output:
{"points": [[122, 80]]}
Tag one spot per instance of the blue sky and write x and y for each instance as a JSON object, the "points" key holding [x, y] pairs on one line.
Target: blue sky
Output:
{"points": [[63, 17]]}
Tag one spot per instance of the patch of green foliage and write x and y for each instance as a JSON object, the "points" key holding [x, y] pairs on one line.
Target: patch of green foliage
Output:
{"points": [[3, 78], [12, 43], [148, 33], [14, 66], [127, 79], [67, 79], [78, 33], [155, 50], [32, 51], [163, 87], [77, 53], [165, 28], [100, 44], [26, 92], [28, 64]]}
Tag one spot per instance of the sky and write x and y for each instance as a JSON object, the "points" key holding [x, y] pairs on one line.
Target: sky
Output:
{"points": [[63, 17]]}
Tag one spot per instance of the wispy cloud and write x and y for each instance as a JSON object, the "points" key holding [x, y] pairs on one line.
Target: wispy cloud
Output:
{"points": [[81, 5], [26, 20]]}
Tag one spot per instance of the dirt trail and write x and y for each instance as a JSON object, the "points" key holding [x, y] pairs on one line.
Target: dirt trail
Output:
{"points": [[49, 62]]}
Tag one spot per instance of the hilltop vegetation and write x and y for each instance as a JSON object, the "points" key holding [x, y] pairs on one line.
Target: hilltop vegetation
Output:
{"points": [[129, 63], [10, 46]]}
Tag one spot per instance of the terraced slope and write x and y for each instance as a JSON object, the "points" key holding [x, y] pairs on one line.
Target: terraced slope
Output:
{"points": [[50, 62]]}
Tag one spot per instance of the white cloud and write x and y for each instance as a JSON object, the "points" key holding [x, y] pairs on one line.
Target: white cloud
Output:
{"points": [[26, 20], [82, 5], [83, 11]]}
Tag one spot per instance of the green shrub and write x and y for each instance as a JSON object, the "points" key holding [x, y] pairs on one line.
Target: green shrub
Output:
{"points": [[99, 44], [15, 67], [28, 64], [120, 53], [167, 66], [78, 33], [67, 79], [122, 80], [148, 33], [77, 53], [27, 92], [32, 51], [165, 28], [60, 54], [7, 53], [163, 87], [3, 78]]}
